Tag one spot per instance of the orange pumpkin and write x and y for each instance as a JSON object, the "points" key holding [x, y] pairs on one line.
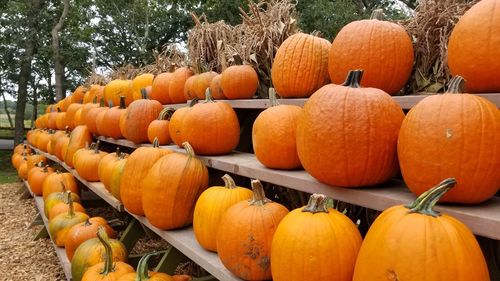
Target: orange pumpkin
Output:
{"points": [[53, 140], [176, 121], [95, 92], [342, 140], [22, 170], [42, 140], [202, 82], [64, 103], [36, 176], [239, 82], [86, 108], [111, 122], [59, 182], [158, 129], [171, 188], [216, 89], [176, 85], [160, 88], [63, 207], [141, 82], [189, 87], [56, 198], [59, 226], [22, 148], [115, 176], [107, 164], [70, 115], [78, 118], [86, 161], [32, 160], [116, 88], [77, 96], [79, 138], [84, 231], [91, 117], [99, 122], [61, 120], [143, 273], [62, 141]]}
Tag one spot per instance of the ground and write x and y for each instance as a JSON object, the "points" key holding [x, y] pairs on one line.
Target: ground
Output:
{"points": [[7, 172]]}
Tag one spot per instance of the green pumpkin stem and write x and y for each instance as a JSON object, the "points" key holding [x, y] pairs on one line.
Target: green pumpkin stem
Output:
{"points": [[272, 97], [377, 14], [456, 85], [59, 110], [156, 143], [228, 181], [94, 100], [108, 261], [118, 152], [259, 196], [144, 93], [102, 103], [142, 266], [122, 102], [166, 113], [110, 104], [425, 203], [353, 79], [208, 96], [194, 101], [189, 149], [317, 204], [71, 211]]}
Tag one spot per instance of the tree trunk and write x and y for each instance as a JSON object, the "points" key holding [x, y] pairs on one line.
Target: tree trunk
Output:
{"points": [[58, 65], [49, 86], [34, 7], [35, 106], [7, 110]]}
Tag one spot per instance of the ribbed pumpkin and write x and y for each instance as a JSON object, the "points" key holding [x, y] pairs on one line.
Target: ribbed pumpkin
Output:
{"points": [[56, 198], [84, 231], [137, 117], [99, 121], [202, 82], [300, 66], [382, 49], [95, 92], [115, 177], [211, 127], [33, 159], [452, 135], [21, 148], [91, 117], [63, 207], [52, 121], [119, 87], [176, 85], [210, 208], [160, 88], [216, 88], [415, 242], [77, 96], [86, 108], [61, 120], [315, 243], [189, 93], [70, 115], [79, 138], [347, 135], [52, 183], [141, 82], [60, 225], [107, 164], [171, 188], [176, 121], [273, 135], [17, 158], [62, 141], [473, 47], [92, 252], [159, 128], [111, 122], [135, 170], [78, 117], [22, 170], [86, 161], [36, 176], [53, 140], [42, 140], [143, 273], [245, 233], [239, 82]]}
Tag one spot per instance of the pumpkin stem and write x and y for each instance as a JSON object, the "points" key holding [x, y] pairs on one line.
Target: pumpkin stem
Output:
{"points": [[108, 262], [166, 113], [71, 211], [228, 181], [317, 204], [87, 222], [59, 110], [102, 103], [156, 143], [142, 266], [193, 101], [118, 152], [144, 93], [237, 59], [456, 85], [425, 203], [66, 129], [189, 149], [377, 14], [272, 97], [122, 102], [96, 146], [208, 96], [62, 184], [45, 168], [110, 104], [259, 196], [353, 79], [94, 100]]}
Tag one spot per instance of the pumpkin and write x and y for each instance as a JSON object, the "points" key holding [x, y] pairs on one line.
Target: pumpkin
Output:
{"points": [[176, 85], [33, 159], [210, 208], [43, 139], [202, 82], [60, 225], [86, 108], [137, 117], [92, 252], [78, 117], [70, 115], [176, 121], [141, 82], [52, 121], [22, 170], [400, 241], [65, 103], [245, 233], [91, 117], [17, 159], [56, 198], [111, 120], [62, 141], [472, 47], [160, 88], [328, 238], [135, 170], [63, 207], [95, 92], [216, 89], [61, 120], [59, 182], [79, 138], [211, 127], [53, 140], [99, 122], [84, 231], [106, 166], [382, 49], [77, 96], [171, 188], [189, 87], [115, 177], [300, 66], [159, 128], [36, 176], [22, 148], [273, 135], [143, 273], [116, 88], [86, 161], [239, 82], [433, 137], [347, 135]]}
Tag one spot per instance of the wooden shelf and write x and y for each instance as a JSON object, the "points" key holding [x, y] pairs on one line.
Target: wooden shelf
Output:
{"points": [[483, 219], [60, 252]]}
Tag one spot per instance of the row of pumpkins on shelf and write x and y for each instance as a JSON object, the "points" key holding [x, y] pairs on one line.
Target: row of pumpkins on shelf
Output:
{"points": [[86, 239], [345, 135], [257, 239]]}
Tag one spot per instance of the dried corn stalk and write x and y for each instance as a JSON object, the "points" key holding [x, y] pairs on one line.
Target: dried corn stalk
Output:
{"points": [[127, 71], [95, 78]]}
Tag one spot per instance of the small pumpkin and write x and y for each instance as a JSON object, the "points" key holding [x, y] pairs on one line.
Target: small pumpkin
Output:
{"points": [[115, 177], [106, 166], [176, 85], [141, 82], [415, 231], [95, 92], [59, 182], [216, 89], [78, 117], [42, 140], [22, 148], [160, 88], [60, 225], [176, 121], [84, 231], [86, 161], [159, 128], [56, 198], [79, 138], [63, 207], [99, 121], [239, 82], [119, 87], [61, 142], [211, 206], [86, 108], [202, 82], [245, 233], [189, 87], [53, 140], [171, 188], [36, 176], [143, 274], [61, 120]]}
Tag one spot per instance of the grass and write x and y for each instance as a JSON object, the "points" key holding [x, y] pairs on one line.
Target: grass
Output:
{"points": [[7, 172]]}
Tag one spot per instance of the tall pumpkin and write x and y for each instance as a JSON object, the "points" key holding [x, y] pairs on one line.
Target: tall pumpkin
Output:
{"points": [[119, 87], [91, 117], [415, 242], [245, 234], [211, 127], [300, 66], [347, 135], [473, 47], [328, 238], [60, 225], [210, 208], [141, 82], [273, 135], [160, 88], [176, 85], [171, 188], [135, 170], [111, 122], [382, 49], [239, 82], [452, 135], [79, 138]]}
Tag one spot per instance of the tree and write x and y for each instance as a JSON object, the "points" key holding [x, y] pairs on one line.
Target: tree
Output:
{"points": [[58, 65]]}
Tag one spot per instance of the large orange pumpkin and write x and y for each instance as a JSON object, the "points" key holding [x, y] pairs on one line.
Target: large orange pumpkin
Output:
{"points": [[211, 127], [415, 242], [160, 88], [79, 138], [86, 162], [202, 82], [171, 188], [137, 117], [176, 85], [84, 231], [245, 233], [70, 115], [273, 135], [347, 135], [216, 89], [116, 88], [95, 92], [107, 165], [189, 87], [111, 122], [91, 117], [176, 121], [300, 66], [141, 82], [382, 49], [473, 47], [239, 82], [36, 177], [159, 128], [327, 237], [452, 135], [59, 182]]}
